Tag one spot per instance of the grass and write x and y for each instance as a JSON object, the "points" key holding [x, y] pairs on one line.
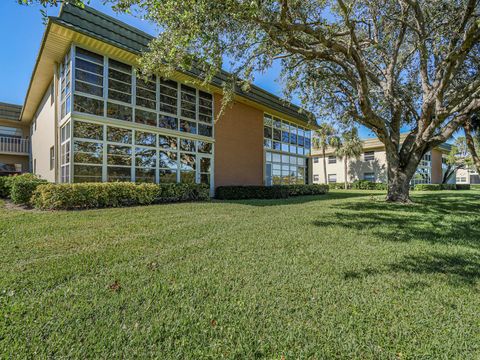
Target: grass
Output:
{"points": [[338, 276]]}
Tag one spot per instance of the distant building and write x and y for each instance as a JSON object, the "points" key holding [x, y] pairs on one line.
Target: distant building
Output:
{"points": [[372, 165]]}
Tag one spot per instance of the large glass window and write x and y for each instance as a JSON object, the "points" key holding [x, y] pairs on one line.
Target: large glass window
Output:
{"points": [[158, 102], [109, 153], [287, 146], [65, 153]]}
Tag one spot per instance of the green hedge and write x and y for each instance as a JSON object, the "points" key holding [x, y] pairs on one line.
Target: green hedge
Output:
{"points": [[310, 189], [368, 185], [338, 186], [251, 192], [475, 186], [102, 195], [437, 187], [268, 192], [22, 187]]}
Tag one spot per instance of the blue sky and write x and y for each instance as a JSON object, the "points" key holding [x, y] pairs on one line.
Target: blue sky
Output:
{"points": [[21, 30]]}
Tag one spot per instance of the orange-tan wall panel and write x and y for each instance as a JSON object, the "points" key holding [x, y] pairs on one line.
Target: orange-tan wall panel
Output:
{"points": [[437, 172], [238, 145]]}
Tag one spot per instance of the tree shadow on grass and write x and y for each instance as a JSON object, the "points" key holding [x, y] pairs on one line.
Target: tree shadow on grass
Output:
{"points": [[446, 218], [337, 195], [459, 269]]}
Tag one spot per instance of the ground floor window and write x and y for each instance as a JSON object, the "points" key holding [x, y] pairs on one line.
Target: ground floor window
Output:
{"points": [[369, 176], [332, 178], [284, 169], [104, 152]]}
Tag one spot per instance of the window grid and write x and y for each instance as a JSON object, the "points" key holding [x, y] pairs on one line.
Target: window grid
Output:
{"points": [[110, 153], [156, 102]]}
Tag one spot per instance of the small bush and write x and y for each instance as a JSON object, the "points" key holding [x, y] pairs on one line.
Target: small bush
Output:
{"points": [[427, 187], [338, 186], [4, 186], [115, 194], [368, 185], [463, 186], [251, 192], [22, 187]]}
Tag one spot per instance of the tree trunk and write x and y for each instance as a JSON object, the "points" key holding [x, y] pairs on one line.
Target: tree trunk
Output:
{"points": [[346, 173], [324, 166], [399, 177]]}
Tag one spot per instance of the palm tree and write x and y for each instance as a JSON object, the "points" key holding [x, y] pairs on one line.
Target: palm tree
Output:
{"points": [[326, 137], [350, 147]]}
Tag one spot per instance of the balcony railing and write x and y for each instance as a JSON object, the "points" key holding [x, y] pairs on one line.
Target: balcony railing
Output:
{"points": [[12, 145]]}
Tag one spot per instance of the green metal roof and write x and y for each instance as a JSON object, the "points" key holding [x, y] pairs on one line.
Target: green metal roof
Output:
{"points": [[10, 111], [96, 24]]}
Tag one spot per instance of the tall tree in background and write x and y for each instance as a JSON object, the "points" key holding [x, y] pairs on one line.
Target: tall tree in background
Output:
{"points": [[386, 64], [472, 136], [325, 137], [350, 147], [456, 159]]}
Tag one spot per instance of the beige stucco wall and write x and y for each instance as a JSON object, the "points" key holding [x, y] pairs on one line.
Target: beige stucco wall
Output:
{"points": [[356, 168], [43, 137]]}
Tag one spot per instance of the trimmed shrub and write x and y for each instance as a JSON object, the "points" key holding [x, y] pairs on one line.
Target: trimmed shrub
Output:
{"points": [[115, 194], [463, 186], [475, 186], [304, 189], [251, 192], [22, 187], [427, 187], [448, 187], [268, 192], [368, 185], [338, 186]]}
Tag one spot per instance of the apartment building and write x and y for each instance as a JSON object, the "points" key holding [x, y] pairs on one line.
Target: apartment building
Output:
{"points": [[89, 117], [14, 141], [372, 165], [467, 176]]}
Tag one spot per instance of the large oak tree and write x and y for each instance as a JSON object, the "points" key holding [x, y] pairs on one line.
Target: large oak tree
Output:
{"points": [[384, 64]]}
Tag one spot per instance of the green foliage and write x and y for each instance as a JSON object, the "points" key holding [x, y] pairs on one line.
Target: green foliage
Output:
{"points": [[268, 192], [338, 186], [306, 189], [368, 185], [4, 186], [22, 187], [427, 187], [463, 187], [118, 194], [251, 192], [475, 186]]}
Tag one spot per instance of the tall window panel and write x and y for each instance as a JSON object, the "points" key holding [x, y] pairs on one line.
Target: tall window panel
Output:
{"points": [[88, 152], [88, 82], [287, 146], [65, 86], [119, 91], [65, 153]]}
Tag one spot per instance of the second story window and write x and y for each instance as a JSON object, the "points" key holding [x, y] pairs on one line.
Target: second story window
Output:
{"points": [[315, 159], [369, 156], [332, 159]]}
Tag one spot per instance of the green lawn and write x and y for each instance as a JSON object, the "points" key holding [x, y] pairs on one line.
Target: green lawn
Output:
{"points": [[338, 276]]}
